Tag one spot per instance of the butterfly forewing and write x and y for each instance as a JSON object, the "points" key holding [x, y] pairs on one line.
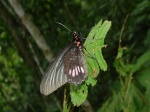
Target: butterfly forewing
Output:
{"points": [[54, 76]]}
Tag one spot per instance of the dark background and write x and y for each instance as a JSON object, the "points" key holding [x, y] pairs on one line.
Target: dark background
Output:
{"points": [[22, 61]]}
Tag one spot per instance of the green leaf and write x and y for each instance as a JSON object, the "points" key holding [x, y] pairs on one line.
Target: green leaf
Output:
{"points": [[119, 64], [120, 52], [91, 81], [78, 94], [93, 44]]}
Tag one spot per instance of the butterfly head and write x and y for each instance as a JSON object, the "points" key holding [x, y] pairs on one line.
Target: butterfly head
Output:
{"points": [[77, 40], [76, 35]]}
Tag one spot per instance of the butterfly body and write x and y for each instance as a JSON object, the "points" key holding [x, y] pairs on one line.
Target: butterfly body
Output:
{"points": [[68, 66]]}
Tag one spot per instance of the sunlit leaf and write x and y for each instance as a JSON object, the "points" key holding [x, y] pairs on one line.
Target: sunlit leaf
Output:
{"points": [[93, 44]]}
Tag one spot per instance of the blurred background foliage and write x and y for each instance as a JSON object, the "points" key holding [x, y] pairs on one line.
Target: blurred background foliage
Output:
{"points": [[124, 87]]}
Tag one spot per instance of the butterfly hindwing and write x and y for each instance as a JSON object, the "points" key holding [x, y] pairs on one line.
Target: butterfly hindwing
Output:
{"points": [[75, 66]]}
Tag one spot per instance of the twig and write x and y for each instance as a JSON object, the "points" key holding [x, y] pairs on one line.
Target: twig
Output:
{"points": [[122, 29], [33, 30]]}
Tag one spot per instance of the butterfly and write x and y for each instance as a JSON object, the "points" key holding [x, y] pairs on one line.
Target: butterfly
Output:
{"points": [[68, 66]]}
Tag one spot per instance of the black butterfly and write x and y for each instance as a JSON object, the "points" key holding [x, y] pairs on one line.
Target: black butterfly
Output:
{"points": [[68, 66]]}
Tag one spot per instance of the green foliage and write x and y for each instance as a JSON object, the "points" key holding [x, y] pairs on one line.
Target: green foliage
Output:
{"points": [[14, 88], [119, 63], [78, 94], [91, 80], [93, 44], [129, 98], [123, 87], [16, 79]]}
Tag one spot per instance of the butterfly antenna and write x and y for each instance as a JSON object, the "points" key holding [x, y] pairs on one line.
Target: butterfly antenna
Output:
{"points": [[63, 26]]}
